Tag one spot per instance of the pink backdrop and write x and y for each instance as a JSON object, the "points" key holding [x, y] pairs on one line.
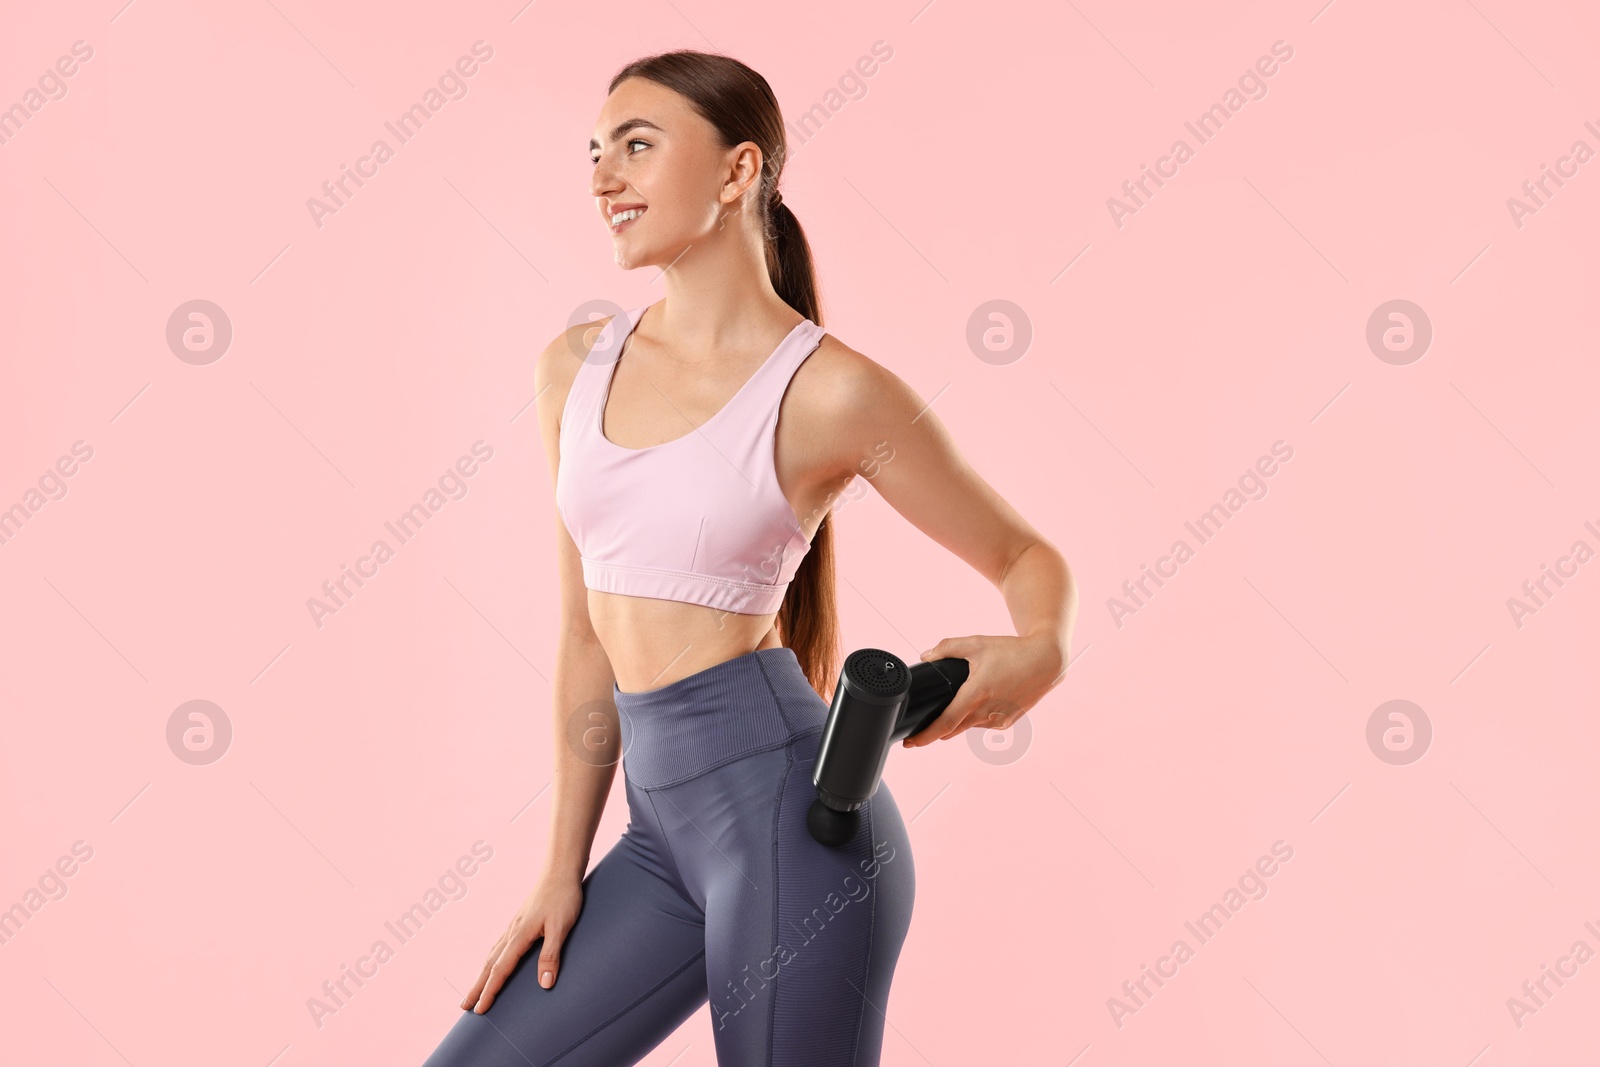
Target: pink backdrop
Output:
{"points": [[1330, 327]]}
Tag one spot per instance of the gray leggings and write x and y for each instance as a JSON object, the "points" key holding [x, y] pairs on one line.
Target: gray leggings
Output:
{"points": [[716, 891]]}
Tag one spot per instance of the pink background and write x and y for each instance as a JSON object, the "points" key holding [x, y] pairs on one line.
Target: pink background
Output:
{"points": [[1227, 313]]}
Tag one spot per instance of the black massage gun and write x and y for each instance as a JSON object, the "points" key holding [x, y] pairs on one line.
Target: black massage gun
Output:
{"points": [[878, 701]]}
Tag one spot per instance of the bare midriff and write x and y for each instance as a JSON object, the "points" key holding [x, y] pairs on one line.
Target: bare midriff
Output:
{"points": [[652, 643]]}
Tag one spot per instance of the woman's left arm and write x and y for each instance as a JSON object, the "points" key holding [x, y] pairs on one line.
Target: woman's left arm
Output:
{"points": [[926, 479]]}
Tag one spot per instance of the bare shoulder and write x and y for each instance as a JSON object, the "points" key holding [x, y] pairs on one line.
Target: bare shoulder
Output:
{"points": [[855, 391], [845, 400], [557, 367], [553, 374], [841, 380]]}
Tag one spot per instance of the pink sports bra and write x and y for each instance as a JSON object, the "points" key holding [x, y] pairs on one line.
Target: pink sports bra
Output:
{"points": [[699, 518]]}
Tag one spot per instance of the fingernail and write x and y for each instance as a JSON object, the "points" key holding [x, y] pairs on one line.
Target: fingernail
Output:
{"points": [[546, 980]]}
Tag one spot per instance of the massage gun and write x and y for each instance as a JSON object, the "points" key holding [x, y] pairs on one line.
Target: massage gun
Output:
{"points": [[878, 701]]}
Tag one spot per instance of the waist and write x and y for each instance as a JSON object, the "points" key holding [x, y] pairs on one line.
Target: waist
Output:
{"points": [[651, 642], [751, 703]]}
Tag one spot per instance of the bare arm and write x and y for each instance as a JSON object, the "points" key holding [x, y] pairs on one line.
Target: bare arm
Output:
{"points": [[586, 736], [933, 487], [584, 721]]}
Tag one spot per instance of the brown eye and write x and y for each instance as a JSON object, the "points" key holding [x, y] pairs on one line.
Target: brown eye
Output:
{"points": [[596, 159]]}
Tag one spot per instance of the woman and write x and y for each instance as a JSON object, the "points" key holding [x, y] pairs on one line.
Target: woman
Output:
{"points": [[698, 624]]}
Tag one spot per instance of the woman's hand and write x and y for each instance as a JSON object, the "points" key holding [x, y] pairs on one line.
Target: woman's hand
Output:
{"points": [[1005, 677], [550, 910]]}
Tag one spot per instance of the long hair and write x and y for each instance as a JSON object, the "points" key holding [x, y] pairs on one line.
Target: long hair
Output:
{"points": [[740, 105]]}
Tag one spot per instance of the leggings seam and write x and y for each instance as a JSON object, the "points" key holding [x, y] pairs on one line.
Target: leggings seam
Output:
{"points": [[777, 898], [788, 727], [777, 875], [677, 870], [866, 975], [640, 999]]}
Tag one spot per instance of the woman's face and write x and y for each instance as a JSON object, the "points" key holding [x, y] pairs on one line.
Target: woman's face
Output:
{"points": [[666, 160]]}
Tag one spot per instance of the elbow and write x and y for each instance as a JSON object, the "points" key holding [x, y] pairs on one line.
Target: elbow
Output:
{"points": [[1039, 547]]}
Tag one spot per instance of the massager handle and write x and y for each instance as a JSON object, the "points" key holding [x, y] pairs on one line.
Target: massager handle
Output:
{"points": [[933, 687]]}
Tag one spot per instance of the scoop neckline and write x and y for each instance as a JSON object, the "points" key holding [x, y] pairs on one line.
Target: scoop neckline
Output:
{"points": [[611, 373]]}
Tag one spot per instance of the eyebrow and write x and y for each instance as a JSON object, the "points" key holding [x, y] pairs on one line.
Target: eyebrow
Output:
{"points": [[624, 127]]}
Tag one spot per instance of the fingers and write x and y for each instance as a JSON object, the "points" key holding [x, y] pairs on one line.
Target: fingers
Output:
{"points": [[960, 707], [949, 648], [550, 958], [966, 711], [483, 975], [938, 728], [498, 969], [495, 977]]}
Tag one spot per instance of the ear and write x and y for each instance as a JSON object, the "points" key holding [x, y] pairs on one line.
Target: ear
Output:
{"points": [[744, 171]]}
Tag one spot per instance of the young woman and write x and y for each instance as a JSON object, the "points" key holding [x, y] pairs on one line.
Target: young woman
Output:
{"points": [[698, 624]]}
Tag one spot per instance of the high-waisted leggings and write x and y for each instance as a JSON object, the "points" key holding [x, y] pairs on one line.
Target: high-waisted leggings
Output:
{"points": [[717, 892]]}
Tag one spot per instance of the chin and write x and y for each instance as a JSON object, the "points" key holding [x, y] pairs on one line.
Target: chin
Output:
{"points": [[634, 257]]}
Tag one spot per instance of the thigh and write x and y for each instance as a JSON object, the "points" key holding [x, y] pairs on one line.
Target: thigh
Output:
{"points": [[802, 942], [632, 970]]}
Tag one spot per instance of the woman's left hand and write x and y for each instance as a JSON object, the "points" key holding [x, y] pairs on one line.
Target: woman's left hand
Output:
{"points": [[1005, 677]]}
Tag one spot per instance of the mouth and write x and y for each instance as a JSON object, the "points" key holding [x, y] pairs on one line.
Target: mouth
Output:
{"points": [[621, 220]]}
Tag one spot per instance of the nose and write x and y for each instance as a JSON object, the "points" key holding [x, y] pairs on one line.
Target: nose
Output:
{"points": [[605, 179]]}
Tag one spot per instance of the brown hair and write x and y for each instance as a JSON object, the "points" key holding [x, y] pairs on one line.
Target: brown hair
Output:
{"points": [[740, 104]]}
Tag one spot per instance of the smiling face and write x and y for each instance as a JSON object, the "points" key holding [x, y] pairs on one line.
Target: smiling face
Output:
{"points": [[654, 154]]}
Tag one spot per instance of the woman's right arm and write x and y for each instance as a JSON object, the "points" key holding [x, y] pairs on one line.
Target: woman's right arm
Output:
{"points": [[585, 734]]}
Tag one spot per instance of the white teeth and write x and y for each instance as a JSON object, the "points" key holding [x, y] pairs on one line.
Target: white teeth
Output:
{"points": [[626, 215]]}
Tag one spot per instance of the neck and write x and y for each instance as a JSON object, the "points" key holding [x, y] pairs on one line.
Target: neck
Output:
{"points": [[719, 296]]}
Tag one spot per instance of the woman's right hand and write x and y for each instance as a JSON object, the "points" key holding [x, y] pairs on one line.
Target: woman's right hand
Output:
{"points": [[550, 910]]}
